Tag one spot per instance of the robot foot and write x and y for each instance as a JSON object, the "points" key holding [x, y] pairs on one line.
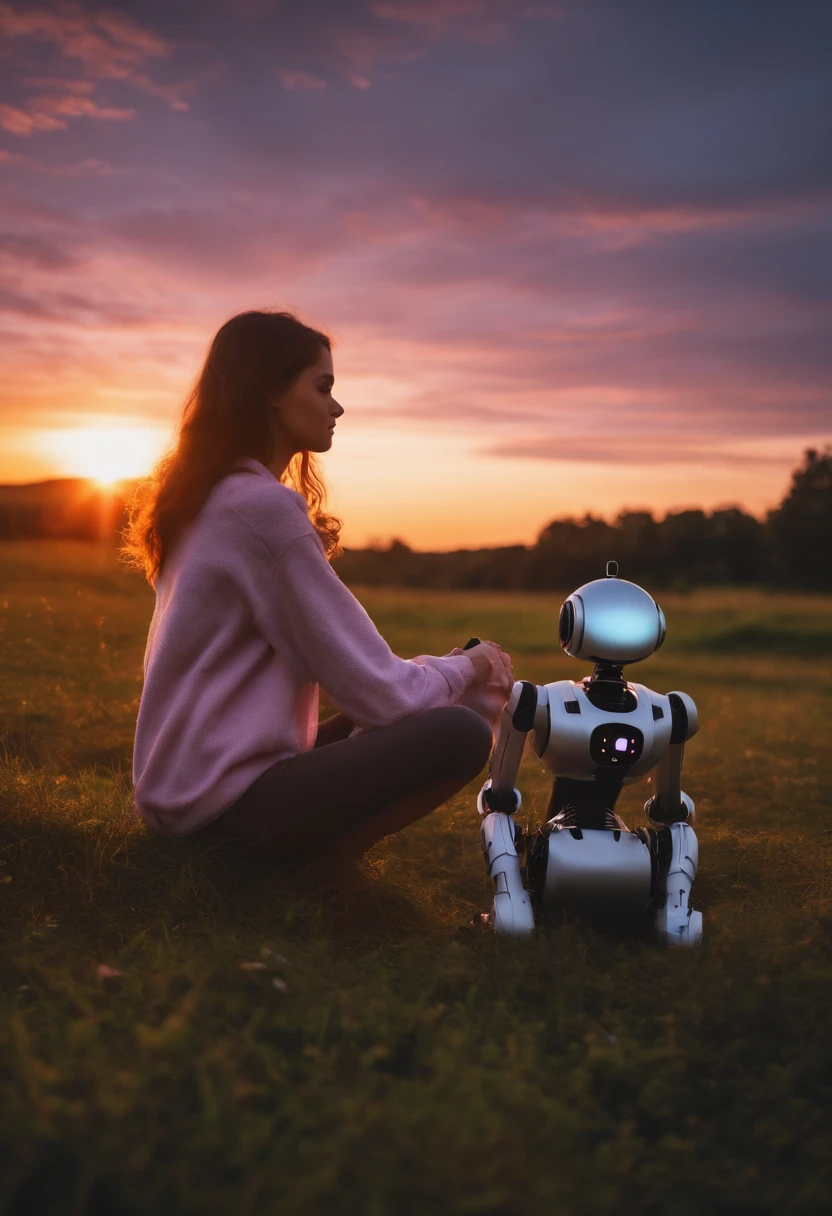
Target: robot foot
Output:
{"points": [[679, 926], [512, 916]]}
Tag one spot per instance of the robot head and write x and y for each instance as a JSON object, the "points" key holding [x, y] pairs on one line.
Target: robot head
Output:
{"points": [[611, 621]]}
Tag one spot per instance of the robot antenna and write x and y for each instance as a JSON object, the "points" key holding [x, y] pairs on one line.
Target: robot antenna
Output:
{"points": [[612, 569]]}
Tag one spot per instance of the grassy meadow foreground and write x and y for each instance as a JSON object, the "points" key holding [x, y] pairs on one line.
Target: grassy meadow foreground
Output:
{"points": [[269, 1046]]}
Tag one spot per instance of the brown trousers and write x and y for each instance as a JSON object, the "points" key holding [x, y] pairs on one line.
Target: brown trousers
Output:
{"points": [[346, 794]]}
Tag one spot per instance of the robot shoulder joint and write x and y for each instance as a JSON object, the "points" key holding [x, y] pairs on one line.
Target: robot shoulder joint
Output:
{"points": [[526, 707], [684, 717]]}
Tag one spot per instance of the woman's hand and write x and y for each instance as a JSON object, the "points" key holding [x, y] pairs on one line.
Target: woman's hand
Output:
{"points": [[492, 665]]}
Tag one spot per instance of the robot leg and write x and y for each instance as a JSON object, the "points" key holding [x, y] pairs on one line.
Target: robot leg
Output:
{"points": [[676, 922], [511, 915]]}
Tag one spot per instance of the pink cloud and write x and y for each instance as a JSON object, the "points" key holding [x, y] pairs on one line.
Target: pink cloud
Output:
{"points": [[128, 34], [110, 50], [482, 21], [59, 84], [302, 81], [19, 122], [91, 166], [608, 224], [406, 29], [637, 450], [108, 46], [47, 113]]}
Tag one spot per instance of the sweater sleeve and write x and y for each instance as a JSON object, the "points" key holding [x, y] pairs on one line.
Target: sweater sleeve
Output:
{"points": [[340, 647]]}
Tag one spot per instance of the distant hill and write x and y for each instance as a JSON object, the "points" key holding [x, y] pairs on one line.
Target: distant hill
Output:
{"points": [[64, 507]]}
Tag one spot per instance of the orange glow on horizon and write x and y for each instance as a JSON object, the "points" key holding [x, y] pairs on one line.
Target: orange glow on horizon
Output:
{"points": [[424, 484], [104, 454]]}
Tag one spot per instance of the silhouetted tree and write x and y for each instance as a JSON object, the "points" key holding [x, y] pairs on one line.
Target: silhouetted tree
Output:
{"points": [[685, 542], [738, 554], [799, 531], [636, 544], [571, 551]]}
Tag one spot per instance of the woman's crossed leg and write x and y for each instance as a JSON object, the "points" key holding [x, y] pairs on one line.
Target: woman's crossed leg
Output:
{"points": [[349, 793]]}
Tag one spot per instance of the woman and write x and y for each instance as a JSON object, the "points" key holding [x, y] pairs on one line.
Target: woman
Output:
{"points": [[250, 619]]}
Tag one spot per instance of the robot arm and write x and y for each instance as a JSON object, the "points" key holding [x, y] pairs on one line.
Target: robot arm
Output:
{"points": [[677, 923], [670, 804], [516, 721], [512, 913]]}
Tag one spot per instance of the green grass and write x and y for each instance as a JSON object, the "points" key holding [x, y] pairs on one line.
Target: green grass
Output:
{"points": [[405, 1063]]}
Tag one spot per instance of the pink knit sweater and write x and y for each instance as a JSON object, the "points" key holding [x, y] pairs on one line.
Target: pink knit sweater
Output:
{"points": [[250, 618]]}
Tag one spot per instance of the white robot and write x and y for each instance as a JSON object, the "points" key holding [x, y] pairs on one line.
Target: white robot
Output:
{"points": [[595, 736]]}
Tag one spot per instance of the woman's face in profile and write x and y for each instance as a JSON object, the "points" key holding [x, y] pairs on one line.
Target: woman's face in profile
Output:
{"points": [[304, 416]]}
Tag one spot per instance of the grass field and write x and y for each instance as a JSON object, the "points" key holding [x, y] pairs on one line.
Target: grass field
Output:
{"points": [[384, 1056]]}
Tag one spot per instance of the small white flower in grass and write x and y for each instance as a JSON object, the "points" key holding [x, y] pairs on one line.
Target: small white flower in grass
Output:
{"points": [[109, 976], [280, 984], [279, 960]]}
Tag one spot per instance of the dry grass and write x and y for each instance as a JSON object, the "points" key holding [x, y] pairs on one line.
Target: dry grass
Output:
{"points": [[384, 1056]]}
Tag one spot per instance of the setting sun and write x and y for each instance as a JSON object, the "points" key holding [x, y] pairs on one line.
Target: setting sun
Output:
{"points": [[105, 454]]}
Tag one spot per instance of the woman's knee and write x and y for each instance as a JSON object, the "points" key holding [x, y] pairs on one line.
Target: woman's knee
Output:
{"points": [[460, 737]]}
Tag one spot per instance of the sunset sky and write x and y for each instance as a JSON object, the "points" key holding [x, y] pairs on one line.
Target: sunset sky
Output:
{"points": [[573, 256]]}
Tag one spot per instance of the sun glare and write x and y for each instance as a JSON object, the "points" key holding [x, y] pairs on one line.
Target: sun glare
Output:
{"points": [[105, 454]]}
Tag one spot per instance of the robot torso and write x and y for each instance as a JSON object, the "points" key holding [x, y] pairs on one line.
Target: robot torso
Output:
{"points": [[576, 738]]}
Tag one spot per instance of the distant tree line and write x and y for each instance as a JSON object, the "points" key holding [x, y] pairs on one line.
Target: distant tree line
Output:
{"points": [[791, 547]]}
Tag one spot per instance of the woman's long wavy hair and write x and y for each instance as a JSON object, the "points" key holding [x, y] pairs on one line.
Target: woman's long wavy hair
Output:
{"points": [[253, 358]]}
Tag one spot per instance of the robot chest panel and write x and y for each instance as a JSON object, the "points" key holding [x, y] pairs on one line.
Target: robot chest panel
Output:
{"points": [[582, 740]]}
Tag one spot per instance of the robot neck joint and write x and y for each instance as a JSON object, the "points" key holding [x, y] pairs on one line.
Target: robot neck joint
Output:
{"points": [[607, 689]]}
